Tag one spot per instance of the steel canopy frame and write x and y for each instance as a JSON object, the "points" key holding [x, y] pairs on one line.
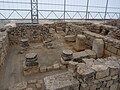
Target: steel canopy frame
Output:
{"points": [[34, 11]]}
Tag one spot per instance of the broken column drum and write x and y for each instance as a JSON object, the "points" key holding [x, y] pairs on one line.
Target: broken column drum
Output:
{"points": [[66, 56], [31, 59], [24, 43]]}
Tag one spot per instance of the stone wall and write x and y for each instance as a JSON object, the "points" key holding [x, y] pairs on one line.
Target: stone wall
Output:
{"points": [[99, 74], [92, 31], [4, 45], [35, 33]]}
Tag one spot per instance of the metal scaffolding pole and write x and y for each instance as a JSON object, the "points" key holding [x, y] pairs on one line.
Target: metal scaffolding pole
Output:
{"points": [[87, 9], [106, 10], [34, 11], [64, 9]]}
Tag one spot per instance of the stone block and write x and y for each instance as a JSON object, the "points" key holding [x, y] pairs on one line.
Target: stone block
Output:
{"points": [[84, 87], [40, 81], [80, 44], [63, 81], [109, 83], [91, 53], [98, 47], [85, 73], [88, 62], [32, 81], [21, 86], [72, 67], [118, 53], [56, 66], [70, 38], [79, 55], [112, 49], [107, 53], [64, 62], [49, 68], [43, 69], [101, 71], [38, 86], [62, 66], [113, 67], [93, 87], [29, 89], [114, 87]]}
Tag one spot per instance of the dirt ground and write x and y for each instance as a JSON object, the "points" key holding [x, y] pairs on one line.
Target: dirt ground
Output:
{"points": [[12, 71]]}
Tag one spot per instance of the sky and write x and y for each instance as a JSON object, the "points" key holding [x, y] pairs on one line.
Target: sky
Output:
{"points": [[71, 9]]}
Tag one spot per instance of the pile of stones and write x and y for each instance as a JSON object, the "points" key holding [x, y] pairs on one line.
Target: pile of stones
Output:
{"points": [[31, 59]]}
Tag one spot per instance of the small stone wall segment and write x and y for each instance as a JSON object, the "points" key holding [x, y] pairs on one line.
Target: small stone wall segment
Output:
{"points": [[4, 46], [34, 33]]}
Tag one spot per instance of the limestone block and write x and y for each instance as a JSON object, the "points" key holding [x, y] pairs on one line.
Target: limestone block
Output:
{"points": [[32, 81], [91, 53], [98, 47], [112, 49], [114, 87], [64, 62], [29, 89], [70, 38], [85, 73], [21, 86], [40, 81], [114, 67], [43, 69], [118, 53], [38, 86], [56, 66], [88, 62], [72, 67], [93, 87], [101, 71], [79, 55], [63, 81], [109, 83], [115, 77], [80, 43], [49, 68], [62, 66], [84, 87]]}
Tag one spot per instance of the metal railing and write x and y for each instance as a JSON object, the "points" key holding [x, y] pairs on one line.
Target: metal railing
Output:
{"points": [[58, 14]]}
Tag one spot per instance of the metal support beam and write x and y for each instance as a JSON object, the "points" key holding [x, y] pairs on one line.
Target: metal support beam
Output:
{"points": [[106, 10], [87, 9], [34, 11], [64, 9]]}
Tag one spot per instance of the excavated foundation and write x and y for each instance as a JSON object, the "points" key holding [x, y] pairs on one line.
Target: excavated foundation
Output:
{"points": [[60, 56]]}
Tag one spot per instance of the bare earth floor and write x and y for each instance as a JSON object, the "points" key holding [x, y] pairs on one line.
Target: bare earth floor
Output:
{"points": [[12, 71]]}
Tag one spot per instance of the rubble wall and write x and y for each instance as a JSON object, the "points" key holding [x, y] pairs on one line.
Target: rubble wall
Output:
{"points": [[109, 34], [35, 33], [99, 74], [4, 45]]}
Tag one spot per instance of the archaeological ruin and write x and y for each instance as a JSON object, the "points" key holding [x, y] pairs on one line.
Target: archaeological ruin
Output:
{"points": [[60, 56]]}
